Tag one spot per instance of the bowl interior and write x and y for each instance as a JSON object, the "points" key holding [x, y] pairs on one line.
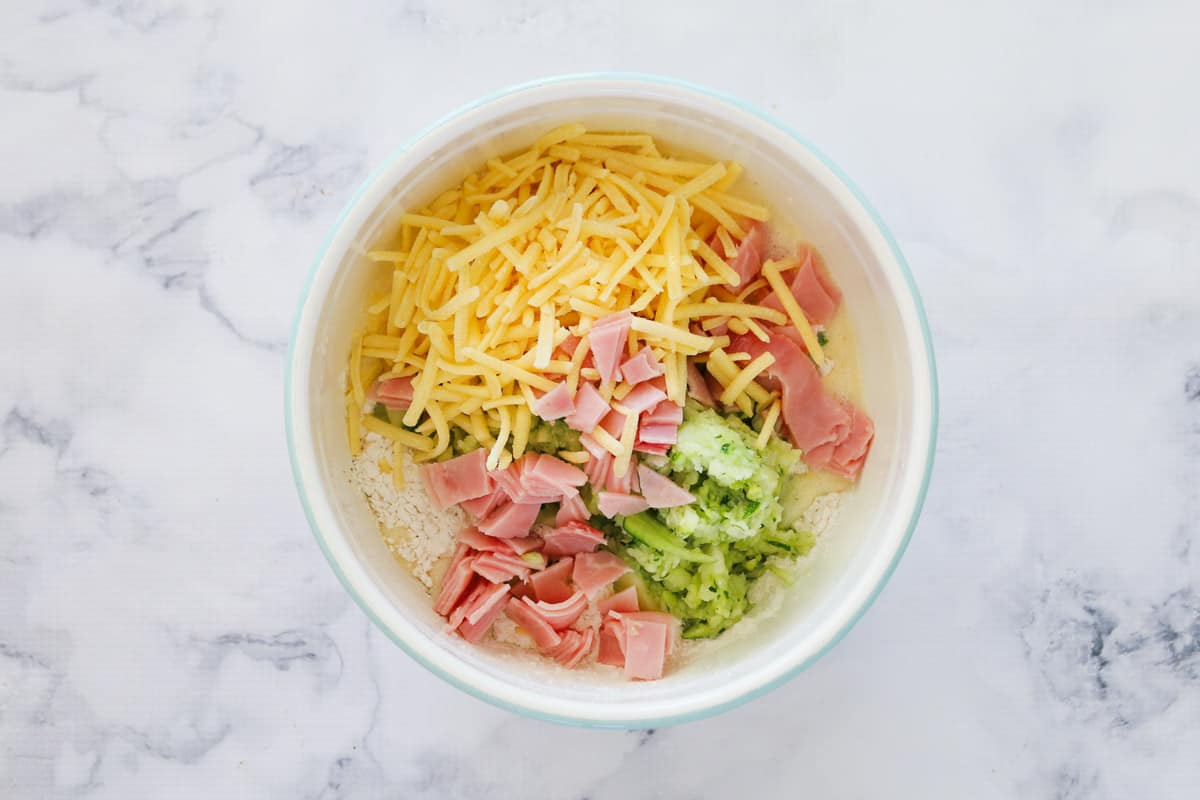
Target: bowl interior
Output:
{"points": [[855, 556]]}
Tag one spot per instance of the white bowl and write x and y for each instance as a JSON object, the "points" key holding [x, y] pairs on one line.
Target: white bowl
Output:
{"points": [[853, 561]]}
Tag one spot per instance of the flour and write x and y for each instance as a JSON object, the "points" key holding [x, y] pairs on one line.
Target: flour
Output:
{"points": [[411, 527]]}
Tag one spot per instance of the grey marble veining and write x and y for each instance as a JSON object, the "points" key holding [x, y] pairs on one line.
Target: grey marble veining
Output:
{"points": [[168, 629]]}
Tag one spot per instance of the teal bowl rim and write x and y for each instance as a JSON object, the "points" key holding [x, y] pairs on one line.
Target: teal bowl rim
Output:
{"points": [[925, 335]]}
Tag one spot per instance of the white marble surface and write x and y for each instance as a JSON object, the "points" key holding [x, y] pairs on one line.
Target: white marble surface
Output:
{"points": [[169, 629]]}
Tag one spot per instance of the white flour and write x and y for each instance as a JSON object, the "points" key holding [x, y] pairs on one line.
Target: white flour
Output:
{"points": [[412, 529]]}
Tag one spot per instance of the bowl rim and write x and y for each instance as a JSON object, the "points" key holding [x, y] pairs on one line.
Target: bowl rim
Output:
{"points": [[647, 80]]}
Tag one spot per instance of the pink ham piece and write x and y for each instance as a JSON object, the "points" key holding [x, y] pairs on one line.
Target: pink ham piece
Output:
{"points": [[472, 538], [557, 474], [845, 458], [395, 393], [523, 544], [815, 292], [645, 647], [595, 571], [672, 622], [611, 650], [457, 479], [747, 261], [622, 602], [665, 413], [525, 614], [459, 613], [456, 581], [651, 449], [656, 433], [555, 404], [813, 417], [511, 521], [519, 487], [641, 367], [572, 509], [590, 408], [500, 567], [599, 464], [485, 610], [560, 615], [620, 484], [612, 423], [698, 386], [660, 491], [643, 397], [606, 340], [613, 504], [574, 647], [551, 584], [572, 538]]}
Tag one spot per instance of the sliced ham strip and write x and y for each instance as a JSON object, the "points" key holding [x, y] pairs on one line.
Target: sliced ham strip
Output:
{"points": [[456, 581], [621, 484], [480, 507], [606, 340], [574, 648], [511, 521], [598, 467], [698, 386], [523, 544], [483, 612], [613, 423], [645, 647], [611, 651], [641, 367], [594, 448], [560, 615], [651, 449], [812, 416], [557, 474], [551, 584], [613, 504], [660, 491], [395, 393], [572, 538], [555, 404], [524, 613], [572, 509], [846, 458], [659, 433], [500, 567], [643, 397], [815, 292], [665, 413], [457, 479], [590, 408], [471, 537], [459, 613], [623, 602], [747, 261], [595, 571], [568, 345]]}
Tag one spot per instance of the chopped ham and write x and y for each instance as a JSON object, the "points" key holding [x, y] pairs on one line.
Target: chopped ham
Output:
{"points": [[572, 509], [555, 404], [561, 615], [457, 479], [606, 340], [511, 521], [500, 567], [614, 504], [659, 433], [557, 474], [572, 538], [611, 651], [812, 416], [551, 584], [645, 647], [598, 466], [623, 602], [480, 507], [641, 367], [672, 622], [471, 537], [594, 448], [643, 397], [590, 408], [458, 614], [698, 386], [651, 449], [621, 484], [519, 487], [815, 292], [595, 571], [395, 393], [660, 491], [664, 413], [845, 458], [747, 261], [612, 423], [523, 544], [574, 647], [525, 614], [483, 612], [456, 581]]}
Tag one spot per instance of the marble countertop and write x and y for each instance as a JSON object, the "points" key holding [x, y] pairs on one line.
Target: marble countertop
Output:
{"points": [[169, 629]]}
